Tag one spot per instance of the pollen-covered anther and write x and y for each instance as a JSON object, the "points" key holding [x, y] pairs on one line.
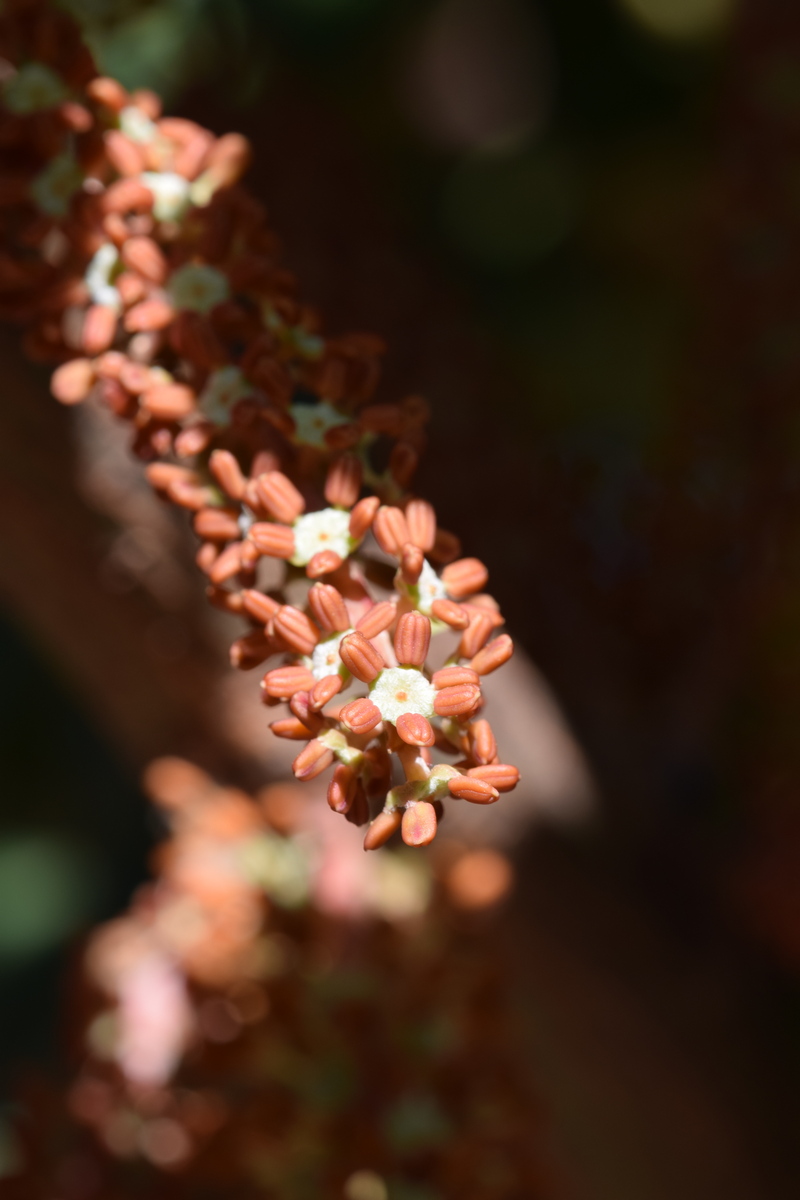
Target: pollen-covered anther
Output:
{"points": [[324, 690], [344, 481], [472, 788], [412, 560], [282, 682], [275, 541], [419, 824], [280, 497], [377, 618], [329, 608], [342, 788], [415, 730], [412, 639], [502, 776], [421, 521], [463, 577], [450, 613], [362, 516], [385, 825], [482, 742], [456, 701], [454, 677], [360, 657], [312, 760], [475, 635], [360, 716], [391, 530], [493, 656]]}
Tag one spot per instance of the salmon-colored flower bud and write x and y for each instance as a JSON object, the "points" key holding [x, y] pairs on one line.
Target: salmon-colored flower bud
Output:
{"points": [[250, 650], [169, 401], [134, 376], [468, 787], [280, 497], [360, 716], [501, 776], [216, 524], [127, 195], [377, 770], [403, 462], [192, 154], [149, 315], [276, 541], [454, 677], [344, 481], [358, 812], [450, 613], [342, 788], [324, 690], [456, 701], [116, 230], [382, 418], [125, 156], [390, 529], [108, 92], [225, 601], [419, 824], [415, 730], [300, 705], [362, 516], [328, 607], [226, 470], [259, 606], [463, 577], [227, 564], [283, 682], [376, 619], [72, 381], [206, 556], [324, 562], [188, 495], [476, 634], [412, 639], [482, 742], [446, 547], [142, 254], [297, 630], [312, 760], [291, 728], [494, 655], [193, 440], [132, 288], [360, 657], [382, 828], [421, 520], [228, 159], [412, 561], [99, 329], [250, 556]]}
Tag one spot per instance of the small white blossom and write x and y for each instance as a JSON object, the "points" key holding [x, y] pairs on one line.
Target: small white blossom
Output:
{"points": [[54, 187], [325, 657], [137, 125], [34, 88], [170, 194], [312, 422], [105, 265], [399, 690], [197, 287], [428, 588], [223, 389], [328, 529]]}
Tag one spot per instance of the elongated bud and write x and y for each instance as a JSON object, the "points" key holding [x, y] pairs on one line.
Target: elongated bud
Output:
{"points": [[360, 657], [312, 760], [468, 787], [419, 824], [148, 316], [501, 776], [390, 529], [72, 381], [297, 630], [291, 728], [328, 607], [126, 195], [446, 548], [382, 828], [415, 730], [378, 618], [207, 554], [454, 677], [456, 701], [463, 577], [421, 521], [412, 639], [344, 481], [360, 716], [450, 613], [125, 156], [324, 562], [342, 788], [412, 560], [280, 497], [227, 472], [358, 812], [107, 91], [482, 742], [362, 516], [250, 650], [227, 564], [188, 495], [141, 254], [225, 601], [276, 541], [378, 770], [403, 462], [283, 682], [324, 690], [494, 655], [258, 606], [193, 440], [216, 524], [475, 635], [99, 328], [169, 401]]}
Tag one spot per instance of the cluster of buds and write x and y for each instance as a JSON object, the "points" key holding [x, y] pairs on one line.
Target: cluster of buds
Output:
{"points": [[141, 265]]}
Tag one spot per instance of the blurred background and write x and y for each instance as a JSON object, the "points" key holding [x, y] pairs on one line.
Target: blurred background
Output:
{"points": [[577, 223]]}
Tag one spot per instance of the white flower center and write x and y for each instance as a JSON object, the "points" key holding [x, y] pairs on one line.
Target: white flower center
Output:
{"points": [[34, 88], [325, 657], [170, 194], [137, 125], [312, 422], [328, 529], [399, 690], [99, 273], [223, 389], [197, 287]]}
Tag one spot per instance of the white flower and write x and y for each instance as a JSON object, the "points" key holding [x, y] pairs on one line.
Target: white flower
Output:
{"points": [[399, 690], [428, 588], [170, 194], [197, 287], [312, 422], [137, 125], [54, 187], [34, 88], [223, 389], [101, 270], [328, 529], [325, 657]]}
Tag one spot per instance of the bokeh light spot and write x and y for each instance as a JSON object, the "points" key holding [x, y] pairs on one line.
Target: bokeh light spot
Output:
{"points": [[681, 19], [45, 893]]}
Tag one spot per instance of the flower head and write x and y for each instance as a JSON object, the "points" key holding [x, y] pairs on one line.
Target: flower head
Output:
{"points": [[399, 690], [197, 287]]}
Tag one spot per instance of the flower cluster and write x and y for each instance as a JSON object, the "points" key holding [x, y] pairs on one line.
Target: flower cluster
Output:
{"points": [[141, 265]]}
